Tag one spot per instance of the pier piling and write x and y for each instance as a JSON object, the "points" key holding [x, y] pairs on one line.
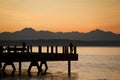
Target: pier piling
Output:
{"points": [[69, 68]]}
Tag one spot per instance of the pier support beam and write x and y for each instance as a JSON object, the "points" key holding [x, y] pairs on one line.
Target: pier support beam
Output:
{"points": [[69, 68]]}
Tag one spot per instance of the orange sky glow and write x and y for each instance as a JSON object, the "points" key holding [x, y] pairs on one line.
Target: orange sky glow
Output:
{"points": [[60, 15]]}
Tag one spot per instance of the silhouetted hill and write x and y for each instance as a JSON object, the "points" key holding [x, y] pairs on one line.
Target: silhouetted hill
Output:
{"points": [[31, 34], [99, 35]]}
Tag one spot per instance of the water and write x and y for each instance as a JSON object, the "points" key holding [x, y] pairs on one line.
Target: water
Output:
{"points": [[95, 63]]}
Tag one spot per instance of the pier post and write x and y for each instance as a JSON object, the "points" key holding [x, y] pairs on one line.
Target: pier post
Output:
{"points": [[20, 65], [75, 50], [1, 49], [63, 49], [40, 49], [30, 48], [51, 49], [20, 68], [27, 49], [15, 49], [8, 49], [69, 68], [56, 49], [47, 49], [66, 49]]}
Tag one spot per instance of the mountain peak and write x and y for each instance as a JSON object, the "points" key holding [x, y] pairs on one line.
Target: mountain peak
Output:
{"points": [[28, 30], [97, 31]]}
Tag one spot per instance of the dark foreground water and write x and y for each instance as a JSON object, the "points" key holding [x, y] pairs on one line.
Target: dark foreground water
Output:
{"points": [[95, 63]]}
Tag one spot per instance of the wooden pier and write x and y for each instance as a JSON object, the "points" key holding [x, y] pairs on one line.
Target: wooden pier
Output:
{"points": [[11, 54]]}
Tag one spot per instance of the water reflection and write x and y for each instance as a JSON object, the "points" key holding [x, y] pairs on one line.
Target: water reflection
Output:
{"points": [[49, 76]]}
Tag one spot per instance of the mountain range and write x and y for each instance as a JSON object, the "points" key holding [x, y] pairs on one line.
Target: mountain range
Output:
{"points": [[31, 34]]}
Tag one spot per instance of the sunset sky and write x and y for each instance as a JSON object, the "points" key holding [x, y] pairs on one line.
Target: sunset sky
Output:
{"points": [[60, 15]]}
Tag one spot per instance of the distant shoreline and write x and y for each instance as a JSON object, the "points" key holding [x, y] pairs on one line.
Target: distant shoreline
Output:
{"points": [[63, 42]]}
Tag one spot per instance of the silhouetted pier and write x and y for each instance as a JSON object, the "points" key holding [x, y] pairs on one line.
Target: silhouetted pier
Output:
{"points": [[11, 54]]}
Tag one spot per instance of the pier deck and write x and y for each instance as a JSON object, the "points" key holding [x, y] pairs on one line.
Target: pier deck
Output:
{"points": [[12, 55], [27, 57]]}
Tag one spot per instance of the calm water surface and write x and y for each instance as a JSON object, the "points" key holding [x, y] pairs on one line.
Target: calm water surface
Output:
{"points": [[95, 63]]}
